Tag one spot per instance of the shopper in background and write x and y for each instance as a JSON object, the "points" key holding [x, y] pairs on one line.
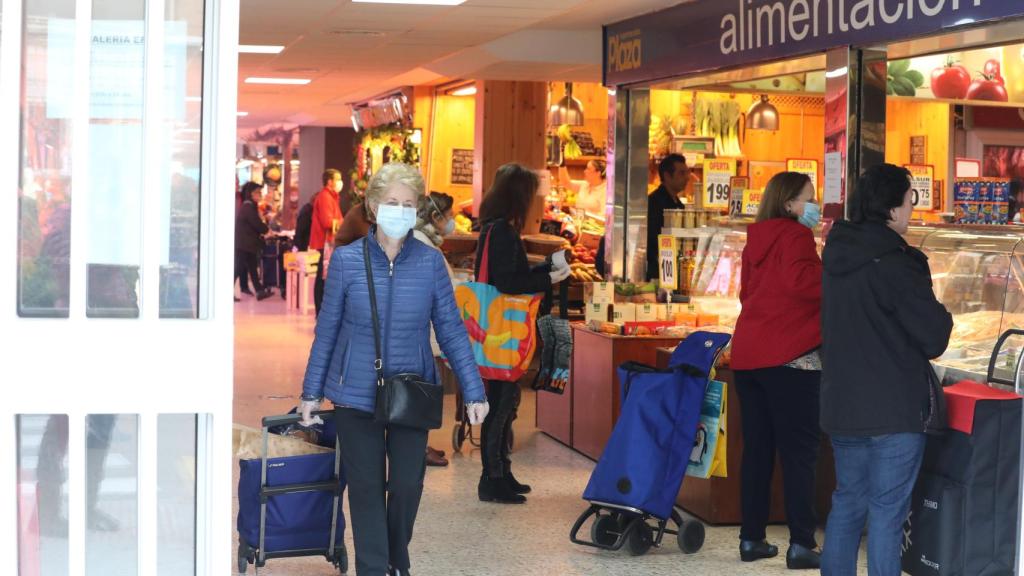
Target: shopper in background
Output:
{"points": [[674, 175], [434, 221], [778, 369], [881, 324], [384, 465], [591, 192], [503, 214], [355, 226], [304, 224], [249, 231], [326, 220]]}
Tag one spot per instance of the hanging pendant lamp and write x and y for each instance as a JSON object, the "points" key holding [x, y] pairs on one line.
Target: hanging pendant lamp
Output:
{"points": [[763, 115], [568, 110]]}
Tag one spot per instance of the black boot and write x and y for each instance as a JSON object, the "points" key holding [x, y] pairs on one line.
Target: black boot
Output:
{"points": [[264, 294], [498, 490], [514, 484], [802, 558], [751, 550]]}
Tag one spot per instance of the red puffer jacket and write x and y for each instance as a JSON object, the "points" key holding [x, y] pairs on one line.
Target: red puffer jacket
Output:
{"points": [[781, 296]]}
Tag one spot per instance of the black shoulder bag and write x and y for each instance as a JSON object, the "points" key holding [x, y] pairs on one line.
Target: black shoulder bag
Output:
{"points": [[404, 399]]}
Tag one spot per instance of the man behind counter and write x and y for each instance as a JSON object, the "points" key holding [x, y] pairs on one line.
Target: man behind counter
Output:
{"points": [[674, 175]]}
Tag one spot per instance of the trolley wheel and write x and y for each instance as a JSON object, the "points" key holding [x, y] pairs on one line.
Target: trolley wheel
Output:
{"points": [[641, 538], [605, 530], [691, 536], [243, 555], [341, 563], [458, 437]]}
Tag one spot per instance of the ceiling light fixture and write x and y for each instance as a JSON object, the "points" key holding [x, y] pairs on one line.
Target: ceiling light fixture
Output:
{"points": [[468, 90], [243, 114], [420, 2], [568, 110], [763, 115], [259, 49], [286, 81]]}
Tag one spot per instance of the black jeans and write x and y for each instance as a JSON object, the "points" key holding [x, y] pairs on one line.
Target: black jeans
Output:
{"points": [[384, 467], [779, 409], [504, 398], [318, 284], [247, 263]]}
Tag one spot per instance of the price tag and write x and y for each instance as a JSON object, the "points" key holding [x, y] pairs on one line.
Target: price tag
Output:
{"points": [[922, 186], [752, 202], [717, 176], [739, 185], [668, 262], [805, 166]]}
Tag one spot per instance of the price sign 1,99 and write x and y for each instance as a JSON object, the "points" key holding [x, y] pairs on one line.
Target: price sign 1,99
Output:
{"points": [[717, 185]]}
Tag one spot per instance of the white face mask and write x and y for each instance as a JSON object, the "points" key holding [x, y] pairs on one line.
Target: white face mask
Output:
{"points": [[339, 185], [396, 221], [449, 227]]}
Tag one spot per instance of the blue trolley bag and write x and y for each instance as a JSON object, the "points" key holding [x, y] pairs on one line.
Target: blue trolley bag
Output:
{"points": [[302, 499], [643, 464]]}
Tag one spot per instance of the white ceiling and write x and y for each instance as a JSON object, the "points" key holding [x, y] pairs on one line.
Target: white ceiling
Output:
{"points": [[353, 51]]}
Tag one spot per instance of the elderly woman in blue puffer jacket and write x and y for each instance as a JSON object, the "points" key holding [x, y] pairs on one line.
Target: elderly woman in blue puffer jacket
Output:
{"points": [[413, 293]]}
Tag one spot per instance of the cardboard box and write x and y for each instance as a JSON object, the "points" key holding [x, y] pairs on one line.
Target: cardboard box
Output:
{"points": [[599, 292], [650, 312], [623, 312], [597, 312]]}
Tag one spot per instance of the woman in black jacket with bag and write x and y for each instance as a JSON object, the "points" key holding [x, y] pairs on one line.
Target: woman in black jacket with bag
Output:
{"points": [[503, 214], [881, 325]]}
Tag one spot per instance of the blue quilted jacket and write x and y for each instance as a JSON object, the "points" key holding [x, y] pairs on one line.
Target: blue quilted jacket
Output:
{"points": [[412, 293]]}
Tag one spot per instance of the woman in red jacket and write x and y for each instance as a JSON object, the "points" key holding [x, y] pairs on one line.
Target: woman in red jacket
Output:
{"points": [[777, 367]]}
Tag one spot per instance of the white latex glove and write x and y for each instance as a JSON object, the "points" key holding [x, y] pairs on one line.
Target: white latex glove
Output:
{"points": [[306, 408], [559, 274], [477, 411], [559, 260]]}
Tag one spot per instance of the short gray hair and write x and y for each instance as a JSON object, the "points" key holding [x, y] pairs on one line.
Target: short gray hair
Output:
{"points": [[389, 175]]}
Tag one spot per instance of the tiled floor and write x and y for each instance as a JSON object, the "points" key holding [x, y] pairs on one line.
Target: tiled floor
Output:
{"points": [[455, 533]]}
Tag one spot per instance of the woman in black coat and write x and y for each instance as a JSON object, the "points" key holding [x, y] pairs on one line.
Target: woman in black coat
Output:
{"points": [[249, 232]]}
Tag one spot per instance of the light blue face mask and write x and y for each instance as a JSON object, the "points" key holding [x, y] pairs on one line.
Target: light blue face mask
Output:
{"points": [[395, 221], [811, 216], [449, 227]]}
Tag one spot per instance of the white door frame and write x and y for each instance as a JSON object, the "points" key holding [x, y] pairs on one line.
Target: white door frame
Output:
{"points": [[145, 366]]}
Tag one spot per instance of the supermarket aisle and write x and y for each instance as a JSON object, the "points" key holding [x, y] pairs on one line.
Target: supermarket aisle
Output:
{"points": [[456, 534]]}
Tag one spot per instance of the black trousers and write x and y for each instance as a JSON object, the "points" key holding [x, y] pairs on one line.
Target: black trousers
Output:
{"points": [[318, 284], [247, 263], [384, 467], [779, 409], [503, 398]]}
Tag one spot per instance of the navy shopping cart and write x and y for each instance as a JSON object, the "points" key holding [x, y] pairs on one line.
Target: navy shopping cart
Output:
{"points": [[641, 469], [291, 506]]}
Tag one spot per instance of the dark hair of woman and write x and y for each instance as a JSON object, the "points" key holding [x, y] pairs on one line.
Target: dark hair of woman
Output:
{"points": [[248, 188], [783, 187], [510, 196], [435, 204], [880, 189]]}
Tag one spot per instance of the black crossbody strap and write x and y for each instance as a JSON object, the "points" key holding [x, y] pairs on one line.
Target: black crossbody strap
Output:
{"points": [[378, 364]]}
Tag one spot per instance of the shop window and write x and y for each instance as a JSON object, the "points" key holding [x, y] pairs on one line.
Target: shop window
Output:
{"points": [[176, 494], [111, 494], [42, 442], [45, 191]]}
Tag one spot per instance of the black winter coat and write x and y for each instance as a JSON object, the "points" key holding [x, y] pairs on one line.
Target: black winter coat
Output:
{"points": [[508, 269], [880, 326], [249, 229], [658, 201], [304, 225]]}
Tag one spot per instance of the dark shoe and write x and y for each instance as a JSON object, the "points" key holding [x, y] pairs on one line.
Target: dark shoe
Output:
{"points": [[491, 490], [752, 550], [436, 451], [802, 558], [247, 292], [266, 293], [237, 299], [515, 485], [434, 459]]}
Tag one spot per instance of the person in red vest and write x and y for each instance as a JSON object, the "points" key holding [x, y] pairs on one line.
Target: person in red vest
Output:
{"points": [[326, 220], [778, 369]]}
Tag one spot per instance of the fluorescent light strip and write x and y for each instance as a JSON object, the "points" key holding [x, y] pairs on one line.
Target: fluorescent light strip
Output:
{"points": [[243, 114], [420, 2], [287, 81], [259, 49], [464, 91]]}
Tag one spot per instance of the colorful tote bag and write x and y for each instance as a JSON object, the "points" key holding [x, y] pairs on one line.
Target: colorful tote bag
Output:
{"points": [[502, 327]]}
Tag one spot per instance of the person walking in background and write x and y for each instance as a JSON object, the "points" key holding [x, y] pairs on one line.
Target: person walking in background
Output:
{"points": [[778, 369], [325, 222], [881, 325], [384, 464], [355, 226], [249, 232], [674, 175], [503, 214]]}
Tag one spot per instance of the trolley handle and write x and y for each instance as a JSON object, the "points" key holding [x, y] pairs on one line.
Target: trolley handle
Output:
{"points": [[990, 377], [286, 419]]}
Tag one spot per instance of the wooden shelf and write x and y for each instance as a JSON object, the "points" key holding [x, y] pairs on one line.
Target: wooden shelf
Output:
{"points": [[986, 103]]}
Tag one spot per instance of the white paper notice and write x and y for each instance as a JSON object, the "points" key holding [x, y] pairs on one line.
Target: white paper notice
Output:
{"points": [[833, 178]]}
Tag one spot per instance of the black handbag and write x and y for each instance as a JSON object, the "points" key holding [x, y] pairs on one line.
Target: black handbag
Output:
{"points": [[404, 399]]}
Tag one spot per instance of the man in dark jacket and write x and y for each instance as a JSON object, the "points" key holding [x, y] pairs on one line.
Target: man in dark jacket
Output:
{"points": [[881, 325], [249, 231], [674, 175], [304, 224]]}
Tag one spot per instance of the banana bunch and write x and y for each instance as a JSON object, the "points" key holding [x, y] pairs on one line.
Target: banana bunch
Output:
{"points": [[584, 272], [570, 148]]}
